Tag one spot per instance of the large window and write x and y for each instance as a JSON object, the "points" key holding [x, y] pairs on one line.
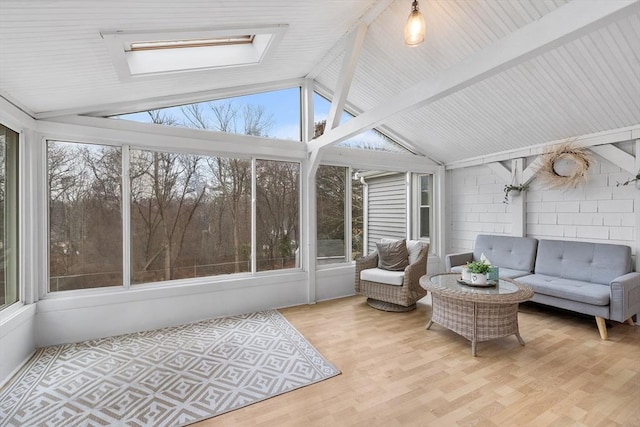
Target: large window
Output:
{"points": [[8, 217], [339, 200], [273, 114], [85, 223], [278, 214], [331, 215], [189, 215]]}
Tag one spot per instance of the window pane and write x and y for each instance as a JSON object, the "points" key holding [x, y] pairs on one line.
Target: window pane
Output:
{"points": [[424, 221], [424, 190], [85, 225], [273, 114], [369, 140], [425, 205], [330, 184], [357, 219], [8, 217], [278, 214], [190, 216]]}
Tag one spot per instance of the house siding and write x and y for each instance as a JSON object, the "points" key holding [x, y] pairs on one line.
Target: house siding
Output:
{"points": [[387, 214]]}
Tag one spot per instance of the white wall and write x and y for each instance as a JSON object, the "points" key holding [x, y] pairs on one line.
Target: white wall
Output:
{"points": [[17, 338], [474, 206], [599, 212], [63, 319]]}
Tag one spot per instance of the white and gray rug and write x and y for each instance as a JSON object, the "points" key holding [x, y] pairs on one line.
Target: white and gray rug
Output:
{"points": [[167, 377]]}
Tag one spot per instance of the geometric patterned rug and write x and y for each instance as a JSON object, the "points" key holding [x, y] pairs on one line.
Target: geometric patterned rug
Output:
{"points": [[167, 377]]}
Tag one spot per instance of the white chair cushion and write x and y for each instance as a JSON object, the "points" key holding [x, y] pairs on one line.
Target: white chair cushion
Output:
{"points": [[413, 247], [379, 275]]}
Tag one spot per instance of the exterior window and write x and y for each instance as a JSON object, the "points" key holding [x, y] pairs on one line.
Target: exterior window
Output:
{"points": [[424, 208], [331, 199], [190, 216], [277, 214], [85, 224], [369, 140], [357, 218], [269, 114], [8, 217]]}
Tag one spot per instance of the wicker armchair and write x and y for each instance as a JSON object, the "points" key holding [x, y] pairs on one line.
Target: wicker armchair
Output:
{"points": [[392, 297]]}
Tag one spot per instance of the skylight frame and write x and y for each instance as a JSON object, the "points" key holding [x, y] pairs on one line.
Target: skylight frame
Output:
{"points": [[132, 64], [180, 44]]}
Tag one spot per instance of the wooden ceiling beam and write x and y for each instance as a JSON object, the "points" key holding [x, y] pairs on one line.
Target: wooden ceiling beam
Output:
{"points": [[564, 24]]}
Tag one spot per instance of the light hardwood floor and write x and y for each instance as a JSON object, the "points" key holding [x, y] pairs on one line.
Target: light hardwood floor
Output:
{"points": [[396, 373]]}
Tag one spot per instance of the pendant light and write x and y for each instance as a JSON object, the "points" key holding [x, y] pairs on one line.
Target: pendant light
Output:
{"points": [[415, 27]]}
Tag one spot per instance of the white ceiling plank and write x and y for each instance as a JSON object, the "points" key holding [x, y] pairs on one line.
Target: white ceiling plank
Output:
{"points": [[335, 51], [350, 61], [550, 31]]}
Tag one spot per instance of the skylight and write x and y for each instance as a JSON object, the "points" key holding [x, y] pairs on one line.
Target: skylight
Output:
{"points": [[146, 53]]}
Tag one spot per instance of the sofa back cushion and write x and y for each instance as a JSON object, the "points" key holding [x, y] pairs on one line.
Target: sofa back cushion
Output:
{"points": [[589, 262], [517, 253]]}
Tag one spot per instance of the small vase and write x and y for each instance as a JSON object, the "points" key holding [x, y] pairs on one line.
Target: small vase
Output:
{"points": [[478, 279]]}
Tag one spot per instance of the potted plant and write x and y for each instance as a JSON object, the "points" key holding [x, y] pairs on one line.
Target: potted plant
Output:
{"points": [[514, 190], [478, 270]]}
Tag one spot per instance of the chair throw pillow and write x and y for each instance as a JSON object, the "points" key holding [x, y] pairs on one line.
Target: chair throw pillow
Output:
{"points": [[393, 256]]}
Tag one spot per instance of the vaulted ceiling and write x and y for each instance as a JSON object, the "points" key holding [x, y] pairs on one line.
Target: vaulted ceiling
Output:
{"points": [[53, 61]]}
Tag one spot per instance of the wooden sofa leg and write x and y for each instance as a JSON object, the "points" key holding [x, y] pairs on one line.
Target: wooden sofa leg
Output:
{"points": [[630, 321], [602, 327]]}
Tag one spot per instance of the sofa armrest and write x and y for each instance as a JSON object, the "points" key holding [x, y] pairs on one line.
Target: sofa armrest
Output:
{"points": [[364, 263], [625, 297], [453, 260]]}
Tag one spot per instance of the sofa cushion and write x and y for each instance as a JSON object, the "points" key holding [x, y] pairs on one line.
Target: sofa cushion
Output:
{"points": [[516, 253], [393, 256], [387, 277], [575, 290], [590, 262]]}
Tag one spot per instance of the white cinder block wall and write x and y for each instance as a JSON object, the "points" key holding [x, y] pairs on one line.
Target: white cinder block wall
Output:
{"points": [[600, 211], [474, 199]]}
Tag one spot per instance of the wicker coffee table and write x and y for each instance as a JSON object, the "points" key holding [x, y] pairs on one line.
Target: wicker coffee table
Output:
{"points": [[476, 313]]}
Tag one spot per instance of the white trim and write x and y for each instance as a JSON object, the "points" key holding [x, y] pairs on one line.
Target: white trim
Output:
{"points": [[589, 140], [125, 209], [383, 129], [349, 63], [102, 110], [617, 157], [196, 141], [637, 209], [254, 218]]}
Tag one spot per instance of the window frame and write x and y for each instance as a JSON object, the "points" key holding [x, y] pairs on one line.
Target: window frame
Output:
{"points": [[126, 225], [417, 206], [12, 221]]}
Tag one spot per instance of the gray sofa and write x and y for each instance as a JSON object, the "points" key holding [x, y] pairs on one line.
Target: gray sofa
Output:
{"points": [[590, 278]]}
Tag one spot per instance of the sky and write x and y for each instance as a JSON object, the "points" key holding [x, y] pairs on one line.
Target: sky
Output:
{"points": [[284, 106]]}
